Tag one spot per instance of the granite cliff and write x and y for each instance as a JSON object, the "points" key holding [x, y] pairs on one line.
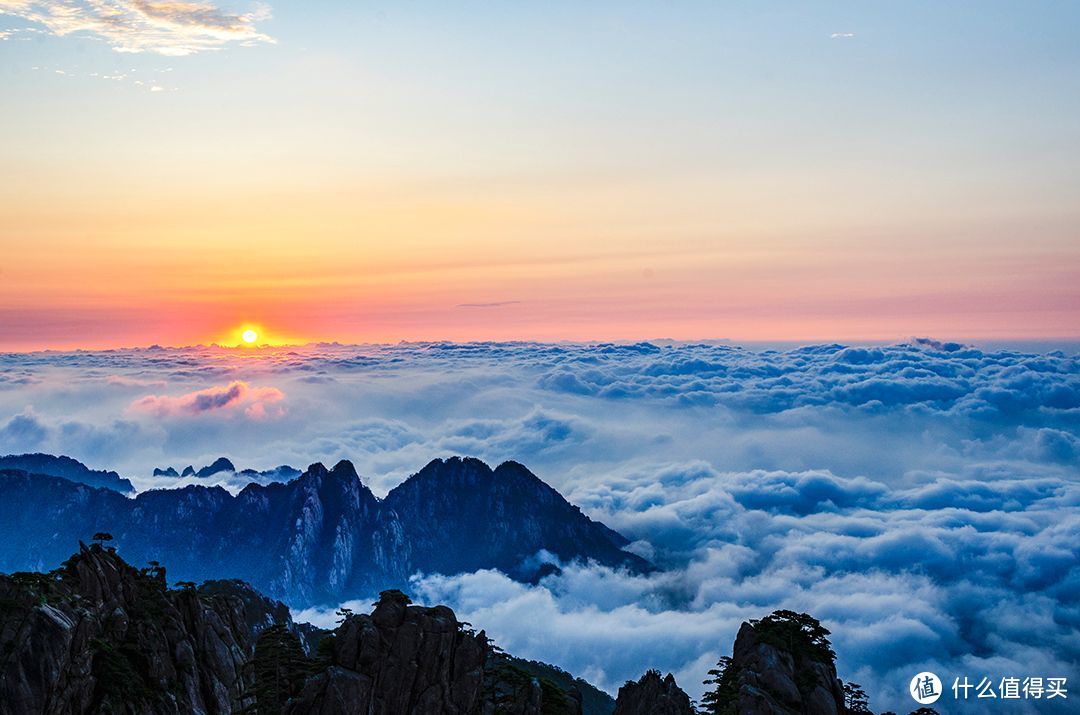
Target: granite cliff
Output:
{"points": [[321, 538]]}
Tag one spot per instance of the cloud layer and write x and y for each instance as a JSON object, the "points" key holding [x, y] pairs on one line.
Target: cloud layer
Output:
{"points": [[166, 27], [922, 499]]}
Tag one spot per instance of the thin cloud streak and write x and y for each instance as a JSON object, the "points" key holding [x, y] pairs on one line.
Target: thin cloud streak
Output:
{"points": [[164, 27]]}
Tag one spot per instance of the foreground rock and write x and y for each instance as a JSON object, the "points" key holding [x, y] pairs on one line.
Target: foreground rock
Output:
{"points": [[653, 695], [99, 636], [782, 664], [400, 659]]}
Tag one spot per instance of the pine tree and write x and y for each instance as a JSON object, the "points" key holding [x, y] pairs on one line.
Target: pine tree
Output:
{"points": [[280, 669], [855, 699], [722, 698]]}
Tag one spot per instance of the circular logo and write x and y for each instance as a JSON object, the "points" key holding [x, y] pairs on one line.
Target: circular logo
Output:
{"points": [[925, 688]]}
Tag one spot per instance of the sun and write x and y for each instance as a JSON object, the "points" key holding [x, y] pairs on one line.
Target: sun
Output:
{"points": [[249, 336]]}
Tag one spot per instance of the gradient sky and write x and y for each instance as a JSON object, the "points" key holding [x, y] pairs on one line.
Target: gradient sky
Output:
{"points": [[421, 170]]}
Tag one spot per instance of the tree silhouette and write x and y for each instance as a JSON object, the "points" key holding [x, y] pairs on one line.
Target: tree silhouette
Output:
{"points": [[721, 700], [855, 699], [798, 633], [280, 668], [101, 537]]}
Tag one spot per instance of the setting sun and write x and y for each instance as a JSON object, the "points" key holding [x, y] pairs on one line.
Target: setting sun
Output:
{"points": [[249, 336]]}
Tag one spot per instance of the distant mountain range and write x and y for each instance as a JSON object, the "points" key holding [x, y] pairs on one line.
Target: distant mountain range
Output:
{"points": [[66, 468], [319, 539], [223, 465]]}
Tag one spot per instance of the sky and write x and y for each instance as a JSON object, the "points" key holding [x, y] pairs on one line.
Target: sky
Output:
{"points": [[377, 171], [921, 499]]}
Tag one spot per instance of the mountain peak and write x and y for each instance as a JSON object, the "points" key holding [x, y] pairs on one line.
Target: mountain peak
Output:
{"points": [[324, 536], [221, 464], [316, 469], [344, 468], [66, 468]]}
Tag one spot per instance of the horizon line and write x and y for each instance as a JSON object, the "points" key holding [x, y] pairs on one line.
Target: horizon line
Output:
{"points": [[734, 342]]}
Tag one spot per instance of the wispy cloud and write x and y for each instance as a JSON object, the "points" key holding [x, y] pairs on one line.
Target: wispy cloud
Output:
{"points": [[494, 304], [258, 402], [167, 27], [841, 35]]}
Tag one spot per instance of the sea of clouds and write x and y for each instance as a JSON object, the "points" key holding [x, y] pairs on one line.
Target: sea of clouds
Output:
{"points": [[921, 499]]}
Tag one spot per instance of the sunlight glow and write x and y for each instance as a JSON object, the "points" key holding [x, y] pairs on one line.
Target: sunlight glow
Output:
{"points": [[249, 336]]}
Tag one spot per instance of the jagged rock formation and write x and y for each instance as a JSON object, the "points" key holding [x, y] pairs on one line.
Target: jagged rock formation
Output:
{"points": [[261, 612], [782, 664], [99, 636], [517, 687], [400, 659], [653, 695], [321, 538], [66, 468], [223, 465], [593, 701]]}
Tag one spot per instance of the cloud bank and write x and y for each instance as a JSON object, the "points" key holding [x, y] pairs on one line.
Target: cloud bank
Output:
{"points": [[921, 499], [165, 27]]}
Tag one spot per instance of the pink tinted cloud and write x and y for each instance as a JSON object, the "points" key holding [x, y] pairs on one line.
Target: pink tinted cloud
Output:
{"points": [[254, 402]]}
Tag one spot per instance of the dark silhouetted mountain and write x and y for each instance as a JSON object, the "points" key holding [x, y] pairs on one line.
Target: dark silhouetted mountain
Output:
{"points": [[504, 516], [400, 659], [67, 468], [593, 701], [98, 636], [221, 464], [653, 695], [282, 473], [782, 664], [321, 538]]}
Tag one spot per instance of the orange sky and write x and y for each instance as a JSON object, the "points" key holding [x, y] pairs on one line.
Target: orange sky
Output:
{"points": [[782, 184]]}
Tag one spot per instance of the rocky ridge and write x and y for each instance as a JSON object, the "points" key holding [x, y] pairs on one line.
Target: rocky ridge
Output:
{"points": [[321, 538], [66, 468]]}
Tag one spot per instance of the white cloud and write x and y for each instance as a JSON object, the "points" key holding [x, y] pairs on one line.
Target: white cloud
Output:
{"points": [[166, 27], [922, 499]]}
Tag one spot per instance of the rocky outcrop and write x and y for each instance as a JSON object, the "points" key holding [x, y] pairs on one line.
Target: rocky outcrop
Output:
{"points": [[518, 687], [321, 538], [66, 468], [401, 659], [781, 665], [653, 695], [577, 694], [99, 636]]}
